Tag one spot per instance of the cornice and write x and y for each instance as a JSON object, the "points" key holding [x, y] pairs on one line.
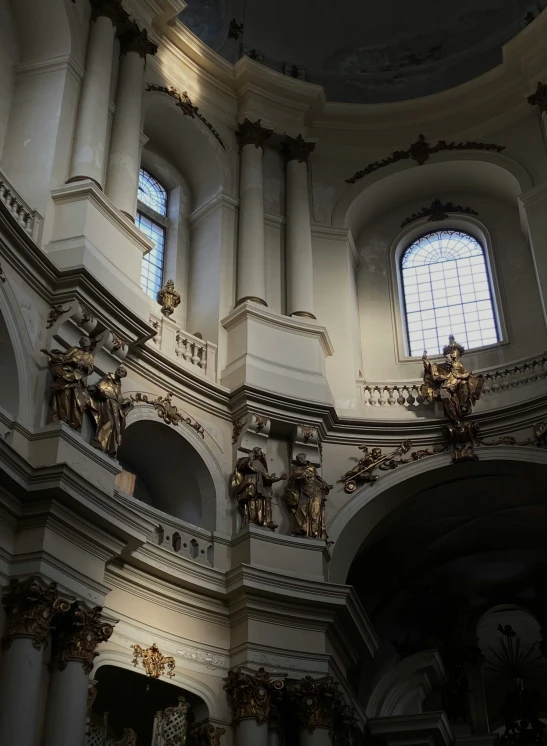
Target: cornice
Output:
{"points": [[536, 195], [427, 726], [203, 212], [55, 64], [337, 234]]}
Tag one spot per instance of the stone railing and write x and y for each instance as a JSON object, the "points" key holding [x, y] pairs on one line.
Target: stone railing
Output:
{"points": [[28, 219], [192, 544], [406, 394], [192, 351]]}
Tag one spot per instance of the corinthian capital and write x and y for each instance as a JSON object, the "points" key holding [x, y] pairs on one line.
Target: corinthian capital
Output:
{"points": [[253, 695], [110, 9], [252, 133], [135, 39], [297, 149], [320, 704], [78, 633], [30, 606], [205, 734]]}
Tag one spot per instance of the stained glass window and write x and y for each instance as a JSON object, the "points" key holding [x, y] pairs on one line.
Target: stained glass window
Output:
{"points": [[152, 195], [447, 291]]}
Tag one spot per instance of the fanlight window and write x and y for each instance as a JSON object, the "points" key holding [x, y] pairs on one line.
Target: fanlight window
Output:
{"points": [[151, 220], [447, 291]]}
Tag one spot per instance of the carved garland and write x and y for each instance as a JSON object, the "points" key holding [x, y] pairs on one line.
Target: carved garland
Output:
{"points": [[168, 412], [438, 211], [420, 151], [187, 107], [55, 313]]}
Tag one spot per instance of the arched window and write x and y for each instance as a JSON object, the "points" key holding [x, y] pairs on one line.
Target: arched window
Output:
{"points": [[152, 221], [447, 291]]}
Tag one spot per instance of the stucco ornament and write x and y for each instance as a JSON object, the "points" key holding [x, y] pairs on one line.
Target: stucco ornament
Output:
{"points": [[253, 695], [306, 495], [153, 661], [251, 485]]}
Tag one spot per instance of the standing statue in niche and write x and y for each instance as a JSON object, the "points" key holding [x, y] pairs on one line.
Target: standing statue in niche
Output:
{"points": [[108, 408], [69, 370], [251, 485], [449, 382], [306, 495]]}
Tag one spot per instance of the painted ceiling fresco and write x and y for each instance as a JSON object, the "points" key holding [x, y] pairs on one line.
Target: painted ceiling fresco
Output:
{"points": [[364, 51]]}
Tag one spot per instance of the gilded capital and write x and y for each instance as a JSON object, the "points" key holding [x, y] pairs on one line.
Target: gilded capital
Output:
{"points": [[539, 98], [135, 39], [78, 633], [297, 149], [252, 133], [205, 734], [30, 607], [110, 9], [319, 704], [253, 695]]}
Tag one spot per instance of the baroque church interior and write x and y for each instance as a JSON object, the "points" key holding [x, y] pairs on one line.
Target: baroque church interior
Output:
{"points": [[273, 373]]}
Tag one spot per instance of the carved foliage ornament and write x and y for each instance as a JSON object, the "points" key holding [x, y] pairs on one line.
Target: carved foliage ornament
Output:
{"points": [[252, 133], [55, 313], [135, 39], [252, 695], [187, 107], [30, 607], [420, 151], [320, 704], [168, 412], [153, 662], [78, 633], [438, 211], [205, 734], [297, 149]]}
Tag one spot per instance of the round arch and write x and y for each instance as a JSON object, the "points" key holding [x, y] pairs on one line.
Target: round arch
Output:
{"points": [[16, 353], [363, 511], [185, 451]]}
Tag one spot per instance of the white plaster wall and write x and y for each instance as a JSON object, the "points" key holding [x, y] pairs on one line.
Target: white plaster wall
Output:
{"points": [[9, 54], [274, 233]]}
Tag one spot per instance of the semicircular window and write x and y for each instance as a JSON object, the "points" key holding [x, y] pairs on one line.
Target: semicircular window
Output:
{"points": [[447, 291]]}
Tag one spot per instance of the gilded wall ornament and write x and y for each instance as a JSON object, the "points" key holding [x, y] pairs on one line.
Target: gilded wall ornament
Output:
{"points": [[420, 151], [108, 409], [171, 725], [450, 383], [252, 695], [31, 605], [55, 313], [306, 496], [168, 298], [77, 634], [297, 149], [237, 428], [539, 98], [371, 460], [187, 107], [251, 485], [154, 663], [205, 734], [252, 133], [438, 210], [168, 412], [463, 437]]}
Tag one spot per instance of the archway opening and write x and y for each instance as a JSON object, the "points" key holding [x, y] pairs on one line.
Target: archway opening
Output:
{"points": [[9, 379]]}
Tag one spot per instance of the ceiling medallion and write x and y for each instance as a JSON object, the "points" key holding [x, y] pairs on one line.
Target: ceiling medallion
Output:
{"points": [[438, 211], [420, 151], [153, 662]]}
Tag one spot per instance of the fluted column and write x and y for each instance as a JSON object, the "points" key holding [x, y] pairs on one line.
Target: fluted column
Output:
{"points": [[253, 697], [298, 247], [124, 158], [251, 250], [30, 606], [77, 634], [89, 146]]}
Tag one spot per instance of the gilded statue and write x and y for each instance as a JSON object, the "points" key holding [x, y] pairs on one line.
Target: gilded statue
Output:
{"points": [[251, 485], [109, 408], [449, 382], [69, 370], [306, 495]]}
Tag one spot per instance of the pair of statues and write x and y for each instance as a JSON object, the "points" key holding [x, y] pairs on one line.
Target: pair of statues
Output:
{"points": [[305, 494], [71, 397]]}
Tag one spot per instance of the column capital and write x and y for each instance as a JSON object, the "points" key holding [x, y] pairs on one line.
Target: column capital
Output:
{"points": [[320, 704], [30, 606], [112, 9], [78, 633], [252, 133], [539, 98], [253, 695], [297, 149], [135, 39], [206, 734]]}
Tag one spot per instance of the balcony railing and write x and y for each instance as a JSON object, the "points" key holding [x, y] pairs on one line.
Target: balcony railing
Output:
{"points": [[191, 351], [28, 219]]}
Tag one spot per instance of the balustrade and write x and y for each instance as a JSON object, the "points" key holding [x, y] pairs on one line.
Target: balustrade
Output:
{"points": [[28, 219], [189, 349]]}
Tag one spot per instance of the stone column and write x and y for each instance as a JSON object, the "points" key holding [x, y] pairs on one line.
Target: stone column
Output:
{"points": [[251, 249], [534, 202], [90, 133], [122, 177], [30, 605], [298, 248], [322, 713], [77, 635], [253, 697]]}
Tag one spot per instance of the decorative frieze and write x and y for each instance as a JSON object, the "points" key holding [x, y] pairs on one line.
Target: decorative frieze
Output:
{"points": [[252, 133], [252, 695], [77, 634], [30, 607], [297, 149]]}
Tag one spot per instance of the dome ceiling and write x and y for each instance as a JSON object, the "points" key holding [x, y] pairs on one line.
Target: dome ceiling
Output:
{"points": [[363, 51]]}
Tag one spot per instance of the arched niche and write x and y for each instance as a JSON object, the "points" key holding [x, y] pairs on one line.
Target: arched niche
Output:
{"points": [[15, 391], [186, 142], [175, 471]]}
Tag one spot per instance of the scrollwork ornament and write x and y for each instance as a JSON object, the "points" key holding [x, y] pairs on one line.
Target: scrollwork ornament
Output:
{"points": [[320, 704], [31, 606], [78, 633], [168, 412], [153, 661], [252, 695], [205, 734], [237, 428], [55, 313]]}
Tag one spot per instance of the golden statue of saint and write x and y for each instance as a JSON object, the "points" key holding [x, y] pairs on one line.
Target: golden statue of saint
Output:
{"points": [[69, 370], [306, 495], [451, 383], [108, 408], [251, 484]]}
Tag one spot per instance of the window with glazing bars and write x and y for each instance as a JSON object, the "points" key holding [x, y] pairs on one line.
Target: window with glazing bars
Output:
{"points": [[151, 220], [447, 290]]}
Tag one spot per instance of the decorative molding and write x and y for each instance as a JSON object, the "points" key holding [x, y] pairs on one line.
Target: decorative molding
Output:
{"points": [[438, 211], [168, 412], [153, 661], [184, 103], [419, 152], [539, 98], [209, 660], [2, 275]]}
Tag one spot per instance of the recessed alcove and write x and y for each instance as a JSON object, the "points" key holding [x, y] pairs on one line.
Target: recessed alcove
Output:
{"points": [[9, 383]]}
